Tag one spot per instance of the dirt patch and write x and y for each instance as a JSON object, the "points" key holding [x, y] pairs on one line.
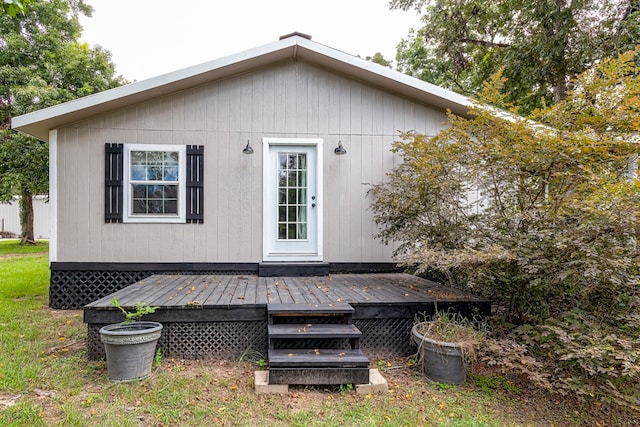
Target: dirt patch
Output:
{"points": [[7, 256], [7, 401]]}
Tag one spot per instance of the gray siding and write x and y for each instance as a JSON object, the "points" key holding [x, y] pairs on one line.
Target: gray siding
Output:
{"points": [[292, 99]]}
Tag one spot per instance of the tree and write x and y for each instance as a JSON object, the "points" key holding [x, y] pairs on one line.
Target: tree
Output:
{"points": [[13, 7], [42, 64], [540, 214], [378, 58], [541, 43]]}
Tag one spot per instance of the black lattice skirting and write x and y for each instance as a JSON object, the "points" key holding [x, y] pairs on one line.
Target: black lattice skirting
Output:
{"points": [[73, 289], [233, 340]]}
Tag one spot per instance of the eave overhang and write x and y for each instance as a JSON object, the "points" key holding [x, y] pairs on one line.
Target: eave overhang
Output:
{"points": [[39, 123]]}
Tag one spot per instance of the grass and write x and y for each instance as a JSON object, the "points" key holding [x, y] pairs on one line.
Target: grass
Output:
{"points": [[46, 380], [13, 247]]}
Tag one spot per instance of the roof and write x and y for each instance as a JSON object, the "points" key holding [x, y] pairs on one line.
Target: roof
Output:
{"points": [[295, 45]]}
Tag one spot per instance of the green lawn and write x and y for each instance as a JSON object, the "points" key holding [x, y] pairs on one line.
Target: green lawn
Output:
{"points": [[13, 247], [45, 380]]}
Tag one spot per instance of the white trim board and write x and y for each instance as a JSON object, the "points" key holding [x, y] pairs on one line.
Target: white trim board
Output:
{"points": [[53, 196]]}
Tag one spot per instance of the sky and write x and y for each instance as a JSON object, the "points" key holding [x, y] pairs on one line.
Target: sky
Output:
{"points": [[148, 38]]}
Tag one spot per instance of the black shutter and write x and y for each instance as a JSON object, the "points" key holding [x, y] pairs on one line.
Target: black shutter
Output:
{"points": [[195, 184], [113, 170]]}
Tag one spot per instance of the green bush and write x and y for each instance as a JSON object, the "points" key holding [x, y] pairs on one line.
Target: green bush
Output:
{"points": [[540, 214]]}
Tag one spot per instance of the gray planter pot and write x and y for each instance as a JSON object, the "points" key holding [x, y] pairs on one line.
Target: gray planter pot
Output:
{"points": [[130, 348], [442, 362]]}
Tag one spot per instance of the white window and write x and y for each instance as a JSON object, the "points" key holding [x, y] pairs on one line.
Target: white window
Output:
{"points": [[154, 183]]}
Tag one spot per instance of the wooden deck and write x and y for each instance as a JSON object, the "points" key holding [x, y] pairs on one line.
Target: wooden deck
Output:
{"points": [[207, 316], [242, 293]]}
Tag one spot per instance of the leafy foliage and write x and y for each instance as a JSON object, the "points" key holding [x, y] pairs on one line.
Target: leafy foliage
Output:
{"points": [[541, 216], [13, 7], [378, 58], [541, 43], [42, 63], [139, 310]]}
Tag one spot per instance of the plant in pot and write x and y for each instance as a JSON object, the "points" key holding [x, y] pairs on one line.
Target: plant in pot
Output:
{"points": [[130, 346], [446, 347]]}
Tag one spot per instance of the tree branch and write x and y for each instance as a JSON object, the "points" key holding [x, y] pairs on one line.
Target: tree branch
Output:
{"points": [[484, 43]]}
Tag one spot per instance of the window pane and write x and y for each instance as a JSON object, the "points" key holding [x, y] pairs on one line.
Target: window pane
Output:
{"points": [[155, 206], [171, 158], [282, 161], [154, 179], [139, 191], [302, 231], [138, 157], [292, 196], [171, 173], [302, 214], [291, 211], [282, 179], [292, 179], [154, 173], [139, 206], [138, 173], [171, 207], [293, 161], [154, 199], [302, 179], [155, 157], [155, 191], [170, 191]]}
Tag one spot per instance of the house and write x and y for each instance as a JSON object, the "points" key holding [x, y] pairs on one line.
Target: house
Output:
{"points": [[253, 163], [10, 218]]}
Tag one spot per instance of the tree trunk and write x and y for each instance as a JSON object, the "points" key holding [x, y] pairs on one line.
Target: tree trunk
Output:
{"points": [[560, 89], [26, 217]]}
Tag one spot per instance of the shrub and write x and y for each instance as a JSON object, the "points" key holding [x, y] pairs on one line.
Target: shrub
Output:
{"points": [[540, 214]]}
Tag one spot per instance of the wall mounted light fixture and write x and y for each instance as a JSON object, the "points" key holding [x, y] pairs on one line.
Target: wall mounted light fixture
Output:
{"points": [[247, 149], [340, 150]]}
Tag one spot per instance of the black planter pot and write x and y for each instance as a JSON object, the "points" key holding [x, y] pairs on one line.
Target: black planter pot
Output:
{"points": [[442, 362], [130, 349]]}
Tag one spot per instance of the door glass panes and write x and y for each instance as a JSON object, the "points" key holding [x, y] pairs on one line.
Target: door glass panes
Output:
{"points": [[154, 182], [292, 196]]}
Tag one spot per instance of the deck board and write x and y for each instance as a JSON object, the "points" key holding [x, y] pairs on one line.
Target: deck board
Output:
{"points": [[221, 296], [208, 295], [170, 290], [167, 291]]}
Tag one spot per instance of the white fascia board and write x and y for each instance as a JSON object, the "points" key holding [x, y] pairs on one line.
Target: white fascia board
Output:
{"points": [[38, 123], [387, 77]]}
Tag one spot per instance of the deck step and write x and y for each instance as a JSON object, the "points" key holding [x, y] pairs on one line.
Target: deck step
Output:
{"points": [[317, 358], [296, 331], [328, 309], [319, 376], [313, 331]]}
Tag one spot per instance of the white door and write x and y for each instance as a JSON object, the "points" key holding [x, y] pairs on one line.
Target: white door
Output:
{"points": [[292, 217]]}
